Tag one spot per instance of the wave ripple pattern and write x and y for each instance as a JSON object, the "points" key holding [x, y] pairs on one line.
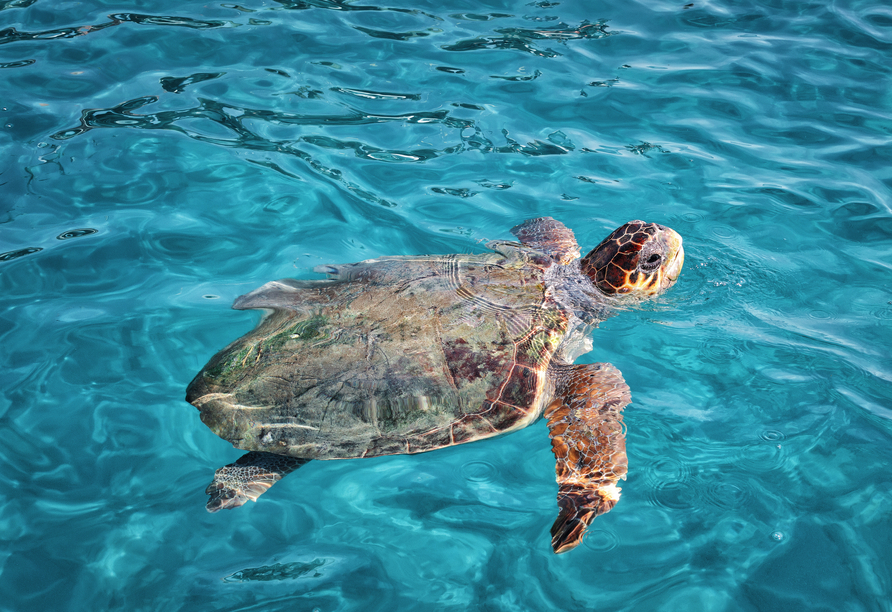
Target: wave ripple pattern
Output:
{"points": [[159, 163]]}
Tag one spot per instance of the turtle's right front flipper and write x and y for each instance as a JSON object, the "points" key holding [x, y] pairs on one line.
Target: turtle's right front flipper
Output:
{"points": [[248, 478], [586, 428]]}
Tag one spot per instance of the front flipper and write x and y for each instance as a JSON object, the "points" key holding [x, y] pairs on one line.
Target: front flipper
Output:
{"points": [[586, 427], [549, 236], [248, 478]]}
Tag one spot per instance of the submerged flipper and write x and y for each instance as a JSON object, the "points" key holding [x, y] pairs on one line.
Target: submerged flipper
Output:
{"points": [[549, 236], [248, 478], [586, 427]]}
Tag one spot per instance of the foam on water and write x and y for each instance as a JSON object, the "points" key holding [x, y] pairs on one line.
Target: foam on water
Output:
{"points": [[159, 163]]}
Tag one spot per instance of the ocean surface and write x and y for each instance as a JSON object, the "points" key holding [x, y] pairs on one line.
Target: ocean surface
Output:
{"points": [[159, 159]]}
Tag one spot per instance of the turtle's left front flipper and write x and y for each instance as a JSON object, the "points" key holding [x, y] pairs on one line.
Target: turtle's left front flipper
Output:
{"points": [[586, 427], [549, 236], [248, 478]]}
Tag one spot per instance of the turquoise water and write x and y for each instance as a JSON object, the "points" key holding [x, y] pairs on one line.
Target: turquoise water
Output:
{"points": [[158, 163]]}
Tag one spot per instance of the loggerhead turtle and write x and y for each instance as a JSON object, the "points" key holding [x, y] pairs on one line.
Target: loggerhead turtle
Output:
{"points": [[410, 354]]}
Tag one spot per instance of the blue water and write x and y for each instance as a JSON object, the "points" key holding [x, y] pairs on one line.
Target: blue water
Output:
{"points": [[160, 159]]}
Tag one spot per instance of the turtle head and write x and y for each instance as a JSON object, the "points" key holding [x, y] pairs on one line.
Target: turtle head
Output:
{"points": [[638, 260]]}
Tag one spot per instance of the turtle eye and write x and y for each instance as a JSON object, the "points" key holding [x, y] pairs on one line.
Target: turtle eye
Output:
{"points": [[651, 263]]}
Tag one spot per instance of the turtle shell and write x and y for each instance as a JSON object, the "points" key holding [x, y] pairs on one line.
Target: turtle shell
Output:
{"points": [[396, 355]]}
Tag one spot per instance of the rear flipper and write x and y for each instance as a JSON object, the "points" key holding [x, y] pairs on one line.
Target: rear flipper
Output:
{"points": [[289, 294], [248, 478]]}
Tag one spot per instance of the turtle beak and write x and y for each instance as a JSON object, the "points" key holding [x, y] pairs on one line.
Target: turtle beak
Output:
{"points": [[675, 257]]}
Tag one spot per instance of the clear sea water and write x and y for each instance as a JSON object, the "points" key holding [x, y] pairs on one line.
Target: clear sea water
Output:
{"points": [[160, 159]]}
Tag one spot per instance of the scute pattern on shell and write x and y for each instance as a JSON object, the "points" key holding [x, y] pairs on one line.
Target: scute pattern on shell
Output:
{"points": [[399, 355]]}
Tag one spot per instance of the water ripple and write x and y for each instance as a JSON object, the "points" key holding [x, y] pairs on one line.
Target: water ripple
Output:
{"points": [[10, 255], [674, 495], [346, 5], [76, 233], [479, 471], [178, 85], [11, 4], [600, 540], [666, 469], [760, 458], [525, 39], [236, 123], [720, 351], [772, 435], [18, 64], [727, 493], [236, 120], [279, 571], [12, 35], [217, 146], [375, 95], [401, 36]]}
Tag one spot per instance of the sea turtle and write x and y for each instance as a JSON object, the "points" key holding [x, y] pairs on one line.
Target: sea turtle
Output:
{"points": [[411, 354]]}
